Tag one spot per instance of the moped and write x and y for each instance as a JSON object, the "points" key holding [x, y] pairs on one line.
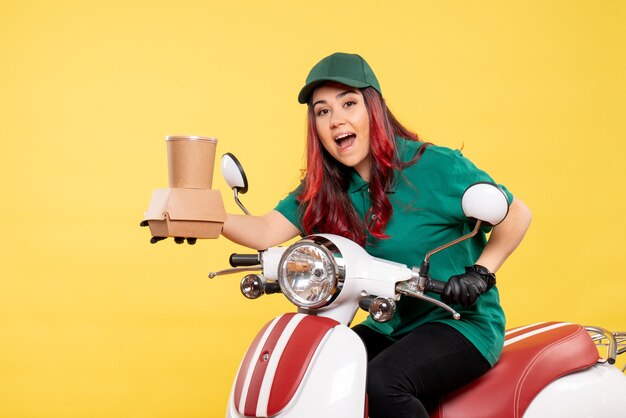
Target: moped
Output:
{"points": [[310, 363]]}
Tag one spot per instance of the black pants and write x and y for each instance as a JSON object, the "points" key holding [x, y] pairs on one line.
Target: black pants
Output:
{"points": [[407, 377]]}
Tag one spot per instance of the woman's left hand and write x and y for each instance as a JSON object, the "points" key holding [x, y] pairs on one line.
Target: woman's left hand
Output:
{"points": [[464, 289]]}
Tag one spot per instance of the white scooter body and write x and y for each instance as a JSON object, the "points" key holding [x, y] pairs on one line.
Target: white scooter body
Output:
{"points": [[307, 365], [333, 384], [331, 378], [333, 381], [599, 391]]}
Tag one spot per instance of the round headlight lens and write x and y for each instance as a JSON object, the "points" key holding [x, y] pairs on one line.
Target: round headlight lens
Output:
{"points": [[309, 274]]}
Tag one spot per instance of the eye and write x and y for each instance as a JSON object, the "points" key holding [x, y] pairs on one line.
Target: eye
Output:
{"points": [[350, 103], [321, 112]]}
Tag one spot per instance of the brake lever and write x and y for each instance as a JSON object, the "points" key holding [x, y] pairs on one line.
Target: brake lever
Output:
{"points": [[234, 270], [413, 288]]}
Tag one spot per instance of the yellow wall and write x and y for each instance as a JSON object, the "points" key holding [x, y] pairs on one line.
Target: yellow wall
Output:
{"points": [[96, 322]]}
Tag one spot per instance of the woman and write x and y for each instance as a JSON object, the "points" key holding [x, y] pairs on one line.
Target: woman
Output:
{"points": [[372, 180]]}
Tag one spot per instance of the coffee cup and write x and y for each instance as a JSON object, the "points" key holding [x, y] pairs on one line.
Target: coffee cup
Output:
{"points": [[191, 160]]}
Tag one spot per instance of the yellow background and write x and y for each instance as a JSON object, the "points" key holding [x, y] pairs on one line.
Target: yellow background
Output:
{"points": [[96, 322]]}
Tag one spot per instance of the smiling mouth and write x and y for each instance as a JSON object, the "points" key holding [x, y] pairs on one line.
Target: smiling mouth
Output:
{"points": [[344, 141]]}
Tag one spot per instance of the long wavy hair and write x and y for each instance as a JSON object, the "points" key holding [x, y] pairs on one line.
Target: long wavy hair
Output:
{"points": [[324, 198]]}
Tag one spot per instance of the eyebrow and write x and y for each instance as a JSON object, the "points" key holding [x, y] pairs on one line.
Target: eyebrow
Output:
{"points": [[340, 95]]}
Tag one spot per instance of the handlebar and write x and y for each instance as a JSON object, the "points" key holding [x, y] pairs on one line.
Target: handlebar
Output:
{"points": [[244, 260], [434, 286]]}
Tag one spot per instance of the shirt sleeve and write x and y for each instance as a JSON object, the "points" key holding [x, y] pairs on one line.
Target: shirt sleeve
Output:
{"points": [[464, 173], [289, 207]]}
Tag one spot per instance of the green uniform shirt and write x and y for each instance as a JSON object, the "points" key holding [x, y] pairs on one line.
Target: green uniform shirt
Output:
{"points": [[426, 200]]}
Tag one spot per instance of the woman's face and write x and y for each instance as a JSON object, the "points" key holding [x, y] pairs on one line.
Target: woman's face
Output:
{"points": [[343, 125]]}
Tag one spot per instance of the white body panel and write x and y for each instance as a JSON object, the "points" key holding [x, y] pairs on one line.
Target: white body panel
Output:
{"points": [[599, 391], [271, 258], [365, 275], [334, 384]]}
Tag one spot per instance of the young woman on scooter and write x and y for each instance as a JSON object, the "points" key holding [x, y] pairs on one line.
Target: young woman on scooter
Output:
{"points": [[373, 181]]}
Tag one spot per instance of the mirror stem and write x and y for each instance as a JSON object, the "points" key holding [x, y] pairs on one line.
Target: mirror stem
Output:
{"points": [[426, 262], [241, 206]]}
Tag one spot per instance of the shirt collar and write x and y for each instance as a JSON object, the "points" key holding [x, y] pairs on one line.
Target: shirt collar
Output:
{"points": [[358, 184]]}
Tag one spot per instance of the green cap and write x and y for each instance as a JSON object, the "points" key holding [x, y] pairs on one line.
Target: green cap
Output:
{"points": [[348, 69]]}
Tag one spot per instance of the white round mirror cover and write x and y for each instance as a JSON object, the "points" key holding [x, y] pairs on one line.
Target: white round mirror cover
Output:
{"points": [[485, 202], [231, 171]]}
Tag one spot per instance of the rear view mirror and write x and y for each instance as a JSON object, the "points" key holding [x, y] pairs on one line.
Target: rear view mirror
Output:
{"points": [[485, 202], [233, 173], [235, 177]]}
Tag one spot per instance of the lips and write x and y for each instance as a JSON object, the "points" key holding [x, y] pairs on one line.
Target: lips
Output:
{"points": [[345, 140]]}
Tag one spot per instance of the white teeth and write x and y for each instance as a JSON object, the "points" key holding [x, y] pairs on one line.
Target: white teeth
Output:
{"points": [[342, 135]]}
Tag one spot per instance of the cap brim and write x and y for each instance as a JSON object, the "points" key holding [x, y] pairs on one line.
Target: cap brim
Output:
{"points": [[307, 90]]}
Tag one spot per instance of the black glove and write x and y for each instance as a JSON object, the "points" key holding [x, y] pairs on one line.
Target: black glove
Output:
{"points": [[177, 240], [465, 288]]}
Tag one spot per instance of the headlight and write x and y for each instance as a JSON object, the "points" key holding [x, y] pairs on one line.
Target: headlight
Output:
{"points": [[311, 272]]}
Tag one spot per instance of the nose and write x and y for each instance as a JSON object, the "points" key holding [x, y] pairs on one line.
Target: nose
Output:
{"points": [[336, 119]]}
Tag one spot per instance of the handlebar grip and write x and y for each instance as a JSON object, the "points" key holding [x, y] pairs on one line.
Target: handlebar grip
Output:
{"points": [[244, 260], [435, 286]]}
